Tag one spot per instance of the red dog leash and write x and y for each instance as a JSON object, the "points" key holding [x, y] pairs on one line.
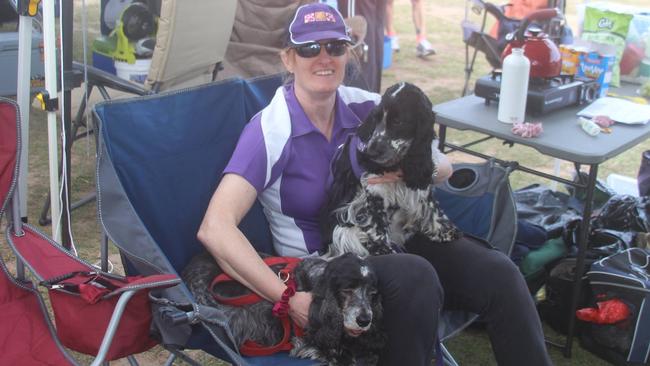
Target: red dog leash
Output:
{"points": [[280, 309]]}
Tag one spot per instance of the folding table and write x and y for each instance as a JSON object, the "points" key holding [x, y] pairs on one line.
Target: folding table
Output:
{"points": [[562, 138]]}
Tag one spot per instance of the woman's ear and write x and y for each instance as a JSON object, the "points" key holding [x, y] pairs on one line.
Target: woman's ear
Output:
{"points": [[288, 59]]}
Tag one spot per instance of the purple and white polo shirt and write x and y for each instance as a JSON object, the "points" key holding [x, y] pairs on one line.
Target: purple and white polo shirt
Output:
{"points": [[287, 159]]}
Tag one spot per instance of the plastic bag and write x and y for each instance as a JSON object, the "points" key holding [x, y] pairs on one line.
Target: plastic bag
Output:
{"points": [[624, 213]]}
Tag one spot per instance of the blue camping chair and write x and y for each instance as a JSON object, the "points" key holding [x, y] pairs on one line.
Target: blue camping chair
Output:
{"points": [[160, 159]]}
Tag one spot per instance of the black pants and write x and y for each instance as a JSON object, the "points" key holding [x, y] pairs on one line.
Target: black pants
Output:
{"points": [[473, 278]]}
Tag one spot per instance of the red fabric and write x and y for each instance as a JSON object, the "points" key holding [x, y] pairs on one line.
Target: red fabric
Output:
{"points": [[82, 318], [608, 312], [7, 147], [48, 260], [25, 338], [519, 9]]}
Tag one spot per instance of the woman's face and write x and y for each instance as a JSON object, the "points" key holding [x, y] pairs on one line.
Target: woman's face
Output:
{"points": [[321, 74]]}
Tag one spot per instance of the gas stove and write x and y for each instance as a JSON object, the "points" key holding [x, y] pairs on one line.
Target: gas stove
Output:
{"points": [[544, 94]]}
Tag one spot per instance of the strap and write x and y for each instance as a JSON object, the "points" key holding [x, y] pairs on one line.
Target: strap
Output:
{"points": [[291, 263], [251, 348]]}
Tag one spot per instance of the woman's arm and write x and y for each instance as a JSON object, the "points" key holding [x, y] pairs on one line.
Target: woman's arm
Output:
{"points": [[234, 253], [444, 167]]}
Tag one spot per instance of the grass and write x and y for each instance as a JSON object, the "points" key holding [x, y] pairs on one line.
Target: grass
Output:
{"points": [[440, 76]]}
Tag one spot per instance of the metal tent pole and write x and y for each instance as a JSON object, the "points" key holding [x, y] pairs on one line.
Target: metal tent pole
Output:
{"points": [[49, 40], [23, 99], [67, 15]]}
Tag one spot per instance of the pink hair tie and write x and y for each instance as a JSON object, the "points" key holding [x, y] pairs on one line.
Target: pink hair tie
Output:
{"points": [[527, 129]]}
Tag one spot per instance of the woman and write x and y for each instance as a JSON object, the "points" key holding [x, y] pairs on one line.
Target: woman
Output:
{"points": [[283, 158]]}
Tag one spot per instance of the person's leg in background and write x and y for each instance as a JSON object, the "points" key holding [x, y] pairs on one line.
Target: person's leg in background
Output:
{"points": [[485, 281], [371, 64], [423, 47], [412, 299], [390, 29]]}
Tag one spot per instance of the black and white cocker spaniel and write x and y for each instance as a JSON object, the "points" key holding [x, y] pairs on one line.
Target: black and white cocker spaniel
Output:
{"points": [[344, 323], [373, 219]]}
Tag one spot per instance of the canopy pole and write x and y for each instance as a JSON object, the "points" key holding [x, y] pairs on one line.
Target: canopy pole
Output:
{"points": [[49, 40], [23, 99]]}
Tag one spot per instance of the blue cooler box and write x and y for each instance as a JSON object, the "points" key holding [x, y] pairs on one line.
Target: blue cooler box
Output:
{"points": [[9, 63]]}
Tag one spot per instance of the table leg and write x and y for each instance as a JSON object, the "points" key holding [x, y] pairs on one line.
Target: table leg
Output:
{"points": [[442, 136], [582, 251]]}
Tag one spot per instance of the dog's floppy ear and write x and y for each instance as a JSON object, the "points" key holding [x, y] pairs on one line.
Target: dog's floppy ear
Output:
{"points": [[344, 187], [418, 164], [325, 316]]}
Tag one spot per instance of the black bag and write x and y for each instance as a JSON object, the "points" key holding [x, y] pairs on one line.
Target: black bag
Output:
{"points": [[624, 213], [643, 179], [555, 308], [624, 276]]}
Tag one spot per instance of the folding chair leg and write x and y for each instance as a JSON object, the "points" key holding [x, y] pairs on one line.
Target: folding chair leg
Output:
{"points": [[447, 358], [132, 360], [112, 327], [170, 360], [175, 353]]}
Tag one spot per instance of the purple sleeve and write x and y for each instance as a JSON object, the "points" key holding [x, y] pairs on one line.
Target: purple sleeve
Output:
{"points": [[249, 158]]}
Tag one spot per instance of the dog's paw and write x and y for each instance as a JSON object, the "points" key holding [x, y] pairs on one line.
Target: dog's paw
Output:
{"points": [[302, 350]]}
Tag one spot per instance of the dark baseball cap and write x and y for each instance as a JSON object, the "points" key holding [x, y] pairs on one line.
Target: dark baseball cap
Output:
{"points": [[316, 22]]}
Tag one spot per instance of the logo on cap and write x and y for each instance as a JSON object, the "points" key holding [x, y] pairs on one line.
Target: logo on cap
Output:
{"points": [[319, 16]]}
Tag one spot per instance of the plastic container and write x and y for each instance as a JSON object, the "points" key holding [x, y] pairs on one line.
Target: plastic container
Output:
{"points": [[9, 63], [514, 87], [136, 72], [388, 53], [623, 185], [103, 62]]}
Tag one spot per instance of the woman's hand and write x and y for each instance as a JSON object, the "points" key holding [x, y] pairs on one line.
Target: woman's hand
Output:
{"points": [[388, 177], [299, 308]]}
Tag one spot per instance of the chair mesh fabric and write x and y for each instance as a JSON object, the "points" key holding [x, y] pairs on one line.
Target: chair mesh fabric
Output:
{"points": [[479, 200]]}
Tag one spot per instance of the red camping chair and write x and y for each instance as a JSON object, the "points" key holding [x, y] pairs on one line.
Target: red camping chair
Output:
{"points": [[90, 306]]}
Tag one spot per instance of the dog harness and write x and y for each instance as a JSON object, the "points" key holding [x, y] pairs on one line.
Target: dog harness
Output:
{"points": [[280, 309]]}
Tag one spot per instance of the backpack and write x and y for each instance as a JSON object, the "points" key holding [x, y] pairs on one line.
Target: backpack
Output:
{"points": [[624, 276]]}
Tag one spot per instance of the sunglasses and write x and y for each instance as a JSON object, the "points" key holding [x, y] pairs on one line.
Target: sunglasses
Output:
{"points": [[333, 48]]}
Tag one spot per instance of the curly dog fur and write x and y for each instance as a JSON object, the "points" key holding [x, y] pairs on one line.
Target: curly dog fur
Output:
{"points": [[372, 219], [344, 317]]}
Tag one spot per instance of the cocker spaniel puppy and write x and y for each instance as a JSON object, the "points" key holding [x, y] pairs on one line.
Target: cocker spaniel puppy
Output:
{"points": [[373, 219], [344, 324]]}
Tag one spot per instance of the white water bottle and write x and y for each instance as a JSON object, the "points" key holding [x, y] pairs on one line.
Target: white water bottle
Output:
{"points": [[514, 87]]}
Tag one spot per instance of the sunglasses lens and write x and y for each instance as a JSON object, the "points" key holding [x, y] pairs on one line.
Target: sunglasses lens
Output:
{"points": [[336, 48], [308, 50]]}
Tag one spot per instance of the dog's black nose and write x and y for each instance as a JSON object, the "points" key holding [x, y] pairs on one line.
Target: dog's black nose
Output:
{"points": [[363, 320]]}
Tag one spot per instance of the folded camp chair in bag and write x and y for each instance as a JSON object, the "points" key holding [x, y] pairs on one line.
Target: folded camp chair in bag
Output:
{"points": [[479, 200], [96, 313], [191, 41]]}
